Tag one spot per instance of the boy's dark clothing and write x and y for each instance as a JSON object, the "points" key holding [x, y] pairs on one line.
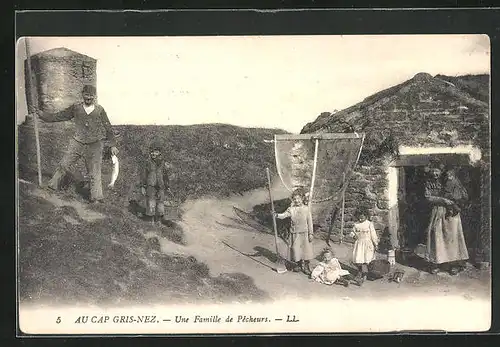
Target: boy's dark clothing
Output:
{"points": [[154, 180], [87, 143]]}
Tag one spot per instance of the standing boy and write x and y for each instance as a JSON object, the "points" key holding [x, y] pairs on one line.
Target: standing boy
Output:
{"points": [[154, 182]]}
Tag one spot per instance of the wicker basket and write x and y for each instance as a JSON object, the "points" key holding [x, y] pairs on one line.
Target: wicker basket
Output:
{"points": [[172, 211]]}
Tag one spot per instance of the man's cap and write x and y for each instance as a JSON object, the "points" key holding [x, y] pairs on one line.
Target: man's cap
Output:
{"points": [[89, 89]]}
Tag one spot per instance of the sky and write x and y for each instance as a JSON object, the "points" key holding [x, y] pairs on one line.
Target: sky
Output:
{"points": [[254, 81]]}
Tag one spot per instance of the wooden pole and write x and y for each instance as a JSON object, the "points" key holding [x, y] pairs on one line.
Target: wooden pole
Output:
{"points": [[272, 210], [280, 266], [333, 217], [313, 178], [342, 210], [34, 99]]}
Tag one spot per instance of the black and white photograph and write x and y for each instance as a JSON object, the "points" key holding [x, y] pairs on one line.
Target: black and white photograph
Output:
{"points": [[253, 184]]}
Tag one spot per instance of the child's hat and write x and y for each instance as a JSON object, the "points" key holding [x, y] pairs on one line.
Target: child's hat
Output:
{"points": [[327, 250], [299, 191], [434, 164], [156, 145]]}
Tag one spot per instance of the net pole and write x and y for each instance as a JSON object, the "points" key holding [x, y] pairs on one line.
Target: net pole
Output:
{"points": [[360, 149], [278, 166], [35, 115], [342, 210], [313, 178], [341, 238]]}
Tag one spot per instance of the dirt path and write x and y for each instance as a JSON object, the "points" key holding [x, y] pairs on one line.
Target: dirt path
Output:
{"points": [[216, 236], [210, 225]]}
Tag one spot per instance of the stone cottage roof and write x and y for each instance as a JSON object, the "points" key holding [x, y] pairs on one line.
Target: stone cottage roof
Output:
{"points": [[471, 91], [477, 86], [61, 52], [422, 111]]}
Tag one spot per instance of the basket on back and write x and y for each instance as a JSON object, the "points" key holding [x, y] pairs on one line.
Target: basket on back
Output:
{"points": [[172, 211], [57, 78]]}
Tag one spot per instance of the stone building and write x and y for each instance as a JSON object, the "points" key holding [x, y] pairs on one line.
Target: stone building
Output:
{"points": [[57, 78], [407, 126]]}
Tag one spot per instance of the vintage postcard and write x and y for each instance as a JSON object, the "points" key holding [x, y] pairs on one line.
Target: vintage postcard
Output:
{"points": [[253, 184]]}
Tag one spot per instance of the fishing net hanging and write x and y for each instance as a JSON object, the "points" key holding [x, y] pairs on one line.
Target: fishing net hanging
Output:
{"points": [[322, 164]]}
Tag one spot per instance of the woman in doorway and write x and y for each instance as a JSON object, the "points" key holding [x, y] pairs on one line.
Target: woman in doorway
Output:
{"points": [[445, 248]]}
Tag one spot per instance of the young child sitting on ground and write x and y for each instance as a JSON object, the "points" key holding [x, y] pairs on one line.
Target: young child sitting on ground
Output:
{"points": [[329, 271]]}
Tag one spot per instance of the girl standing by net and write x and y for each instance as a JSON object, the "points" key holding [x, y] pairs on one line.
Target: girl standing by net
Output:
{"points": [[301, 231]]}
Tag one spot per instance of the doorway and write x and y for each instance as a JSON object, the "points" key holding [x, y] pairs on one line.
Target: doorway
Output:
{"points": [[414, 211]]}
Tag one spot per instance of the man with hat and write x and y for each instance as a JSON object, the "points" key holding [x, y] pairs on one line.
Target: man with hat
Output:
{"points": [[92, 128]]}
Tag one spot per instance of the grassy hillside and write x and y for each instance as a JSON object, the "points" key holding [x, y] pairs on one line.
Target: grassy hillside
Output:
{"points": [[65, 258], [207, 159], [213, 159]]}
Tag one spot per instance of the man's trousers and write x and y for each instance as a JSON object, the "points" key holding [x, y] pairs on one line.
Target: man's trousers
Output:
{"points": [[92, 155]]}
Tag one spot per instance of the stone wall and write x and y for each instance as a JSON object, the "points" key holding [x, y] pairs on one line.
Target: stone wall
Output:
{"points": [[368, 187]]}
